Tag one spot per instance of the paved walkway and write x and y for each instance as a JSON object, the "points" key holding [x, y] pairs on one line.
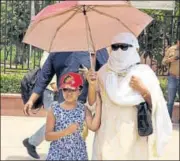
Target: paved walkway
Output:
{"points": [[15, 129]]}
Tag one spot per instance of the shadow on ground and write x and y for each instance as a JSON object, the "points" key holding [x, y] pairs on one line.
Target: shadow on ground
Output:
{"points": [[43, 157]]}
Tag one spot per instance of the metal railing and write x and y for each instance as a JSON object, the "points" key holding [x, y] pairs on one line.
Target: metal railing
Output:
{"points": [[15, 18], [17, 56], [156, 39]]}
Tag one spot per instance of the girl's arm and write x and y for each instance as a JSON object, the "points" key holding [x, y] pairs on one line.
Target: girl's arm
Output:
{"points": [[50, 134], [93, 122], [91, 77]]}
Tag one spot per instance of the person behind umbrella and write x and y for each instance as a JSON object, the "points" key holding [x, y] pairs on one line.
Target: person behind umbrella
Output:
{"points": [[122, 84], [65, 121]]}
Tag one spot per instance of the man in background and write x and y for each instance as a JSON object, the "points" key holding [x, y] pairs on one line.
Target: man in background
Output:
{"points": [[48, 97], [171, 58]]}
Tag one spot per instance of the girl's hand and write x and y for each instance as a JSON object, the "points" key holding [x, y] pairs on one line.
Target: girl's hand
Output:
{"points": [[137, 84], [72, 128], [91, 77]]}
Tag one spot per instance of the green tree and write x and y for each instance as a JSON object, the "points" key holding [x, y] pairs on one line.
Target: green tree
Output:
{"points": [[163, 27], [14, 22], [15, 19]]}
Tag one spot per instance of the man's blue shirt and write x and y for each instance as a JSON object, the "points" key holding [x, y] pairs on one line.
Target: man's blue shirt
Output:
{"points": [[60, 63]]}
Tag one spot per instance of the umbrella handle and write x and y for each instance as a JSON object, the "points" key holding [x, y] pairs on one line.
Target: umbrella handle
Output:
{"points": [[92, 60]]}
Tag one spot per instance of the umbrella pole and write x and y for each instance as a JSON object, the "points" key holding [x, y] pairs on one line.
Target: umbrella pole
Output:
{"points": [[89, 49], [89, 40]]}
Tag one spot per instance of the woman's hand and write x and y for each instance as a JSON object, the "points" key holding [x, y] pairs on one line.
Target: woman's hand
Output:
{"points": [[137, 84]]}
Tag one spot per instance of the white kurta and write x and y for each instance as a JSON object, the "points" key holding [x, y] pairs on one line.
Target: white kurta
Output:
{"points": [[117, 138]]}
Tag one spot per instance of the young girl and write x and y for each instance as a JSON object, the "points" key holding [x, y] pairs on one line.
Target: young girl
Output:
{"points": [[65, 122]]}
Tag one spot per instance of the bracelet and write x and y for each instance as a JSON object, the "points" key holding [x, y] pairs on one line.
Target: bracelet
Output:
{"points": [[144, 95]]}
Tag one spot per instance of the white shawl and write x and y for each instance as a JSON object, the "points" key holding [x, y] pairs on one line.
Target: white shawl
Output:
{"points": [[121, 93]]}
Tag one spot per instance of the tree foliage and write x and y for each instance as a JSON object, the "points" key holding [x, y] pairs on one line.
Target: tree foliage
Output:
{"points": [[160, 34], [15, 19]]}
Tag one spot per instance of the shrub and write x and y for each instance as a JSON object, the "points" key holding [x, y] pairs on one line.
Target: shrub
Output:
{"points": [[10, 83], [163, 84]]}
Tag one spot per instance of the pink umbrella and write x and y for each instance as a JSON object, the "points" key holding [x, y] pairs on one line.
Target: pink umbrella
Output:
{"points": [[83, 25]]}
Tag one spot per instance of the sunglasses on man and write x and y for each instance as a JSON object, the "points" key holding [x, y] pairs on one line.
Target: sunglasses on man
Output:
{"points": [[123, 47]]}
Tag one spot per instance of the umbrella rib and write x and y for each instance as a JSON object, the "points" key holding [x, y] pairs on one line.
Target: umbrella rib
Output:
{"points": [[108, 6], [108, 15], [33, 24], [65, 22], [58, 13]]}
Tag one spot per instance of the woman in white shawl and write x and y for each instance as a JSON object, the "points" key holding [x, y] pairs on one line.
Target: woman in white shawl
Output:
{"points": [[122, 83]]}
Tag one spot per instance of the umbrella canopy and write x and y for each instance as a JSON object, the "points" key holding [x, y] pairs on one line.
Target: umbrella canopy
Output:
{"points": [[81, 25]]}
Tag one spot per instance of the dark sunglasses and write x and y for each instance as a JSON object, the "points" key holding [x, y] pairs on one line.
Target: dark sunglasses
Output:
{"points": [[123, 47], [69, 90]]}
